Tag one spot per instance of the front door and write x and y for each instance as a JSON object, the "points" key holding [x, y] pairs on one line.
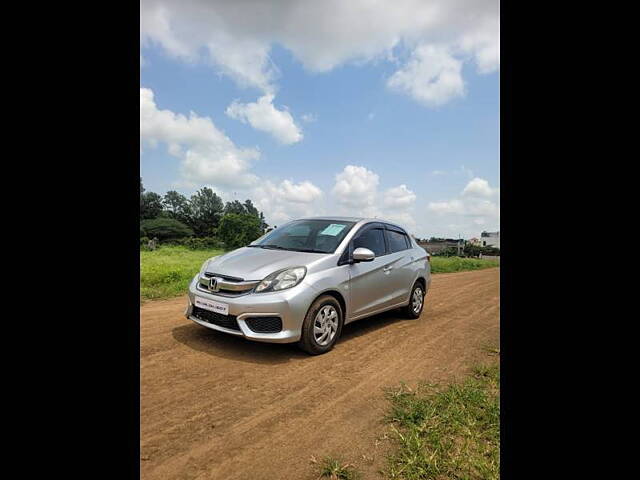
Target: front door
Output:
{"points": [[368, 284]]}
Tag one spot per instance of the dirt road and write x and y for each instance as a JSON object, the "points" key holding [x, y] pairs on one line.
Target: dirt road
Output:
{"points": [[214, 406]]}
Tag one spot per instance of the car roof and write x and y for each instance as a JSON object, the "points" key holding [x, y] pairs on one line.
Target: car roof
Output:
{"points": [[344, 219], [355, 219]]}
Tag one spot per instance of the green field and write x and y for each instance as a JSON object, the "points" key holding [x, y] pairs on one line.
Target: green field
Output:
{"points": [[167, 271], [457, 264], [448, 431]]}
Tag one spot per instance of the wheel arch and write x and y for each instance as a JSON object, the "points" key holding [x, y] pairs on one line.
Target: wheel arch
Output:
{"points": [[339, 297]]}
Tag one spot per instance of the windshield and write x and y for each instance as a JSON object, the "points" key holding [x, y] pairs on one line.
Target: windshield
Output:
{"points": [[318, 236]]}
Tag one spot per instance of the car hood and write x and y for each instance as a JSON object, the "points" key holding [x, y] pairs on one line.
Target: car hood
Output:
{"points": [[251, 263]]}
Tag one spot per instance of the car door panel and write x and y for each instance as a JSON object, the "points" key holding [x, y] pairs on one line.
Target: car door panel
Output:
{"points": [[369, 286], [401, 278]]}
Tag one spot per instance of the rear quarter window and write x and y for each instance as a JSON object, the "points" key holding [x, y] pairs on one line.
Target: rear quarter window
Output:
{"points": [[397, 241]]}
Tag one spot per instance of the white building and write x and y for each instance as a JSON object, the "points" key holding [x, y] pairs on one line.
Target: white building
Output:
{"points": [[490, 239]]}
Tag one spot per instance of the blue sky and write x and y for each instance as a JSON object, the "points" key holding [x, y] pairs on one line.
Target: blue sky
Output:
{"points": [[426, 154]]}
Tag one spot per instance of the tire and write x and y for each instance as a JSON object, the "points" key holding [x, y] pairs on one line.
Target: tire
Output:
{"points": [[414, 309], [322, 314]]}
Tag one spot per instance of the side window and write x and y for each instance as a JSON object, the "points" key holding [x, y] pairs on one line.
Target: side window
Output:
{"points": [[397, 241], [406, 237], [372, 239]]}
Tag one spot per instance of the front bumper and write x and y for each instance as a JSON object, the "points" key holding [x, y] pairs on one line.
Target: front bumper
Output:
{"points": [[290, 305]]}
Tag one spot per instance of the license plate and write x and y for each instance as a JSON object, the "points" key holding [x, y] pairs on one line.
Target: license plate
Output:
{"points": [[212, 306]]}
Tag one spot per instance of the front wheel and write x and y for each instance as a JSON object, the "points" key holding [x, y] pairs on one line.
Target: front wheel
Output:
{"points": [[322, 326], [416, 301]]}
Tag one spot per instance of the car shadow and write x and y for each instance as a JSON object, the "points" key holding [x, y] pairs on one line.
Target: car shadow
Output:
{"points": [[219, 344]]}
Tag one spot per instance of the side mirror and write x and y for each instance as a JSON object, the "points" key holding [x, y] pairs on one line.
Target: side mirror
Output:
{"points": [[361, 254]]}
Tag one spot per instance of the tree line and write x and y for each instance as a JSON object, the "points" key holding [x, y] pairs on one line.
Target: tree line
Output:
{"points": [[203, 220]]}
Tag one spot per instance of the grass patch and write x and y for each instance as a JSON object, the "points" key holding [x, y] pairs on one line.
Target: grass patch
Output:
{"points": [[334, 469], [457, 264], [167, 271], [450, 432]]}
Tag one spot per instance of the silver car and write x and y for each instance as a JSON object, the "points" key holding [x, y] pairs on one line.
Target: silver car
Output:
{"points": [[304, 280]]}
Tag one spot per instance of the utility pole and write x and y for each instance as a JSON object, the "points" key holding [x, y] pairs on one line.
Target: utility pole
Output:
{"points": [[459, 245]]}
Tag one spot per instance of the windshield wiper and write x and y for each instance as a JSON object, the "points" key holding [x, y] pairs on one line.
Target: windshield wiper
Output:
{"points": [[278, 247], [274, 247]]}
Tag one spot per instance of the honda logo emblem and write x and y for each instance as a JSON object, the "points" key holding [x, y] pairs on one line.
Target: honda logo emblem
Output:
{"points": [[213, 284]]}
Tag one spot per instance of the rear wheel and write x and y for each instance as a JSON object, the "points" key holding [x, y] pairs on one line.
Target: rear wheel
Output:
{"points": [[416, 301], [322, 326]]}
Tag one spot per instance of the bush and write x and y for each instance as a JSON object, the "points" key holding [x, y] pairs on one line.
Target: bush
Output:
{"points": [[238, 230], [458, 264], [195, 243], [144, 241], [165, 228], [447, 252]]}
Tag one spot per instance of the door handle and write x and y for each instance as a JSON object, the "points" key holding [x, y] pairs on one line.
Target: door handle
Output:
{"points": [[387, 269]]}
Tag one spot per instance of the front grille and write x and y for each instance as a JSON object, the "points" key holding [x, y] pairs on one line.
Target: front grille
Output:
{"points": [[222, 292], [226, 292], [264, 324], [226, 321], [224, 277]]}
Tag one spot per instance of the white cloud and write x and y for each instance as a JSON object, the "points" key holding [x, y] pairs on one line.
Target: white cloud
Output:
{"points": [[287, 200], [479, 187], [452, 206], [356, 192], [236, 37], [209, 158], [476, 208], [471, 202], [206, 153], [356, 187], [304, 192], [188, 29], [432, 76], [398, 205], [262, 115], [399, 197], [483, 43]]}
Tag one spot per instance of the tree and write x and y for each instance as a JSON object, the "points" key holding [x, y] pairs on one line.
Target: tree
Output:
{"points": [[237, 230], [177, 205], [164, 228], [235, 207], [252, 210], [150, 205], [471, 250], [206, 210]]}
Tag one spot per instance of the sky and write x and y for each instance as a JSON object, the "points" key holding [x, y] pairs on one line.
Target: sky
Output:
{"points": [[360, 108]]}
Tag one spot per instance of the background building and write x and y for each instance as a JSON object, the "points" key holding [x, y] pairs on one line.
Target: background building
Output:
{"points": [[490, 239]]}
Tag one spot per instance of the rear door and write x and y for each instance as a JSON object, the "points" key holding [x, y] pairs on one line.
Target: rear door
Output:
{"points": [[368, 285], [401, 266]]}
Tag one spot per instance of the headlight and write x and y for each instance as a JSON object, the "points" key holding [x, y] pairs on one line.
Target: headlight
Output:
{"points": [[282, 280]]}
